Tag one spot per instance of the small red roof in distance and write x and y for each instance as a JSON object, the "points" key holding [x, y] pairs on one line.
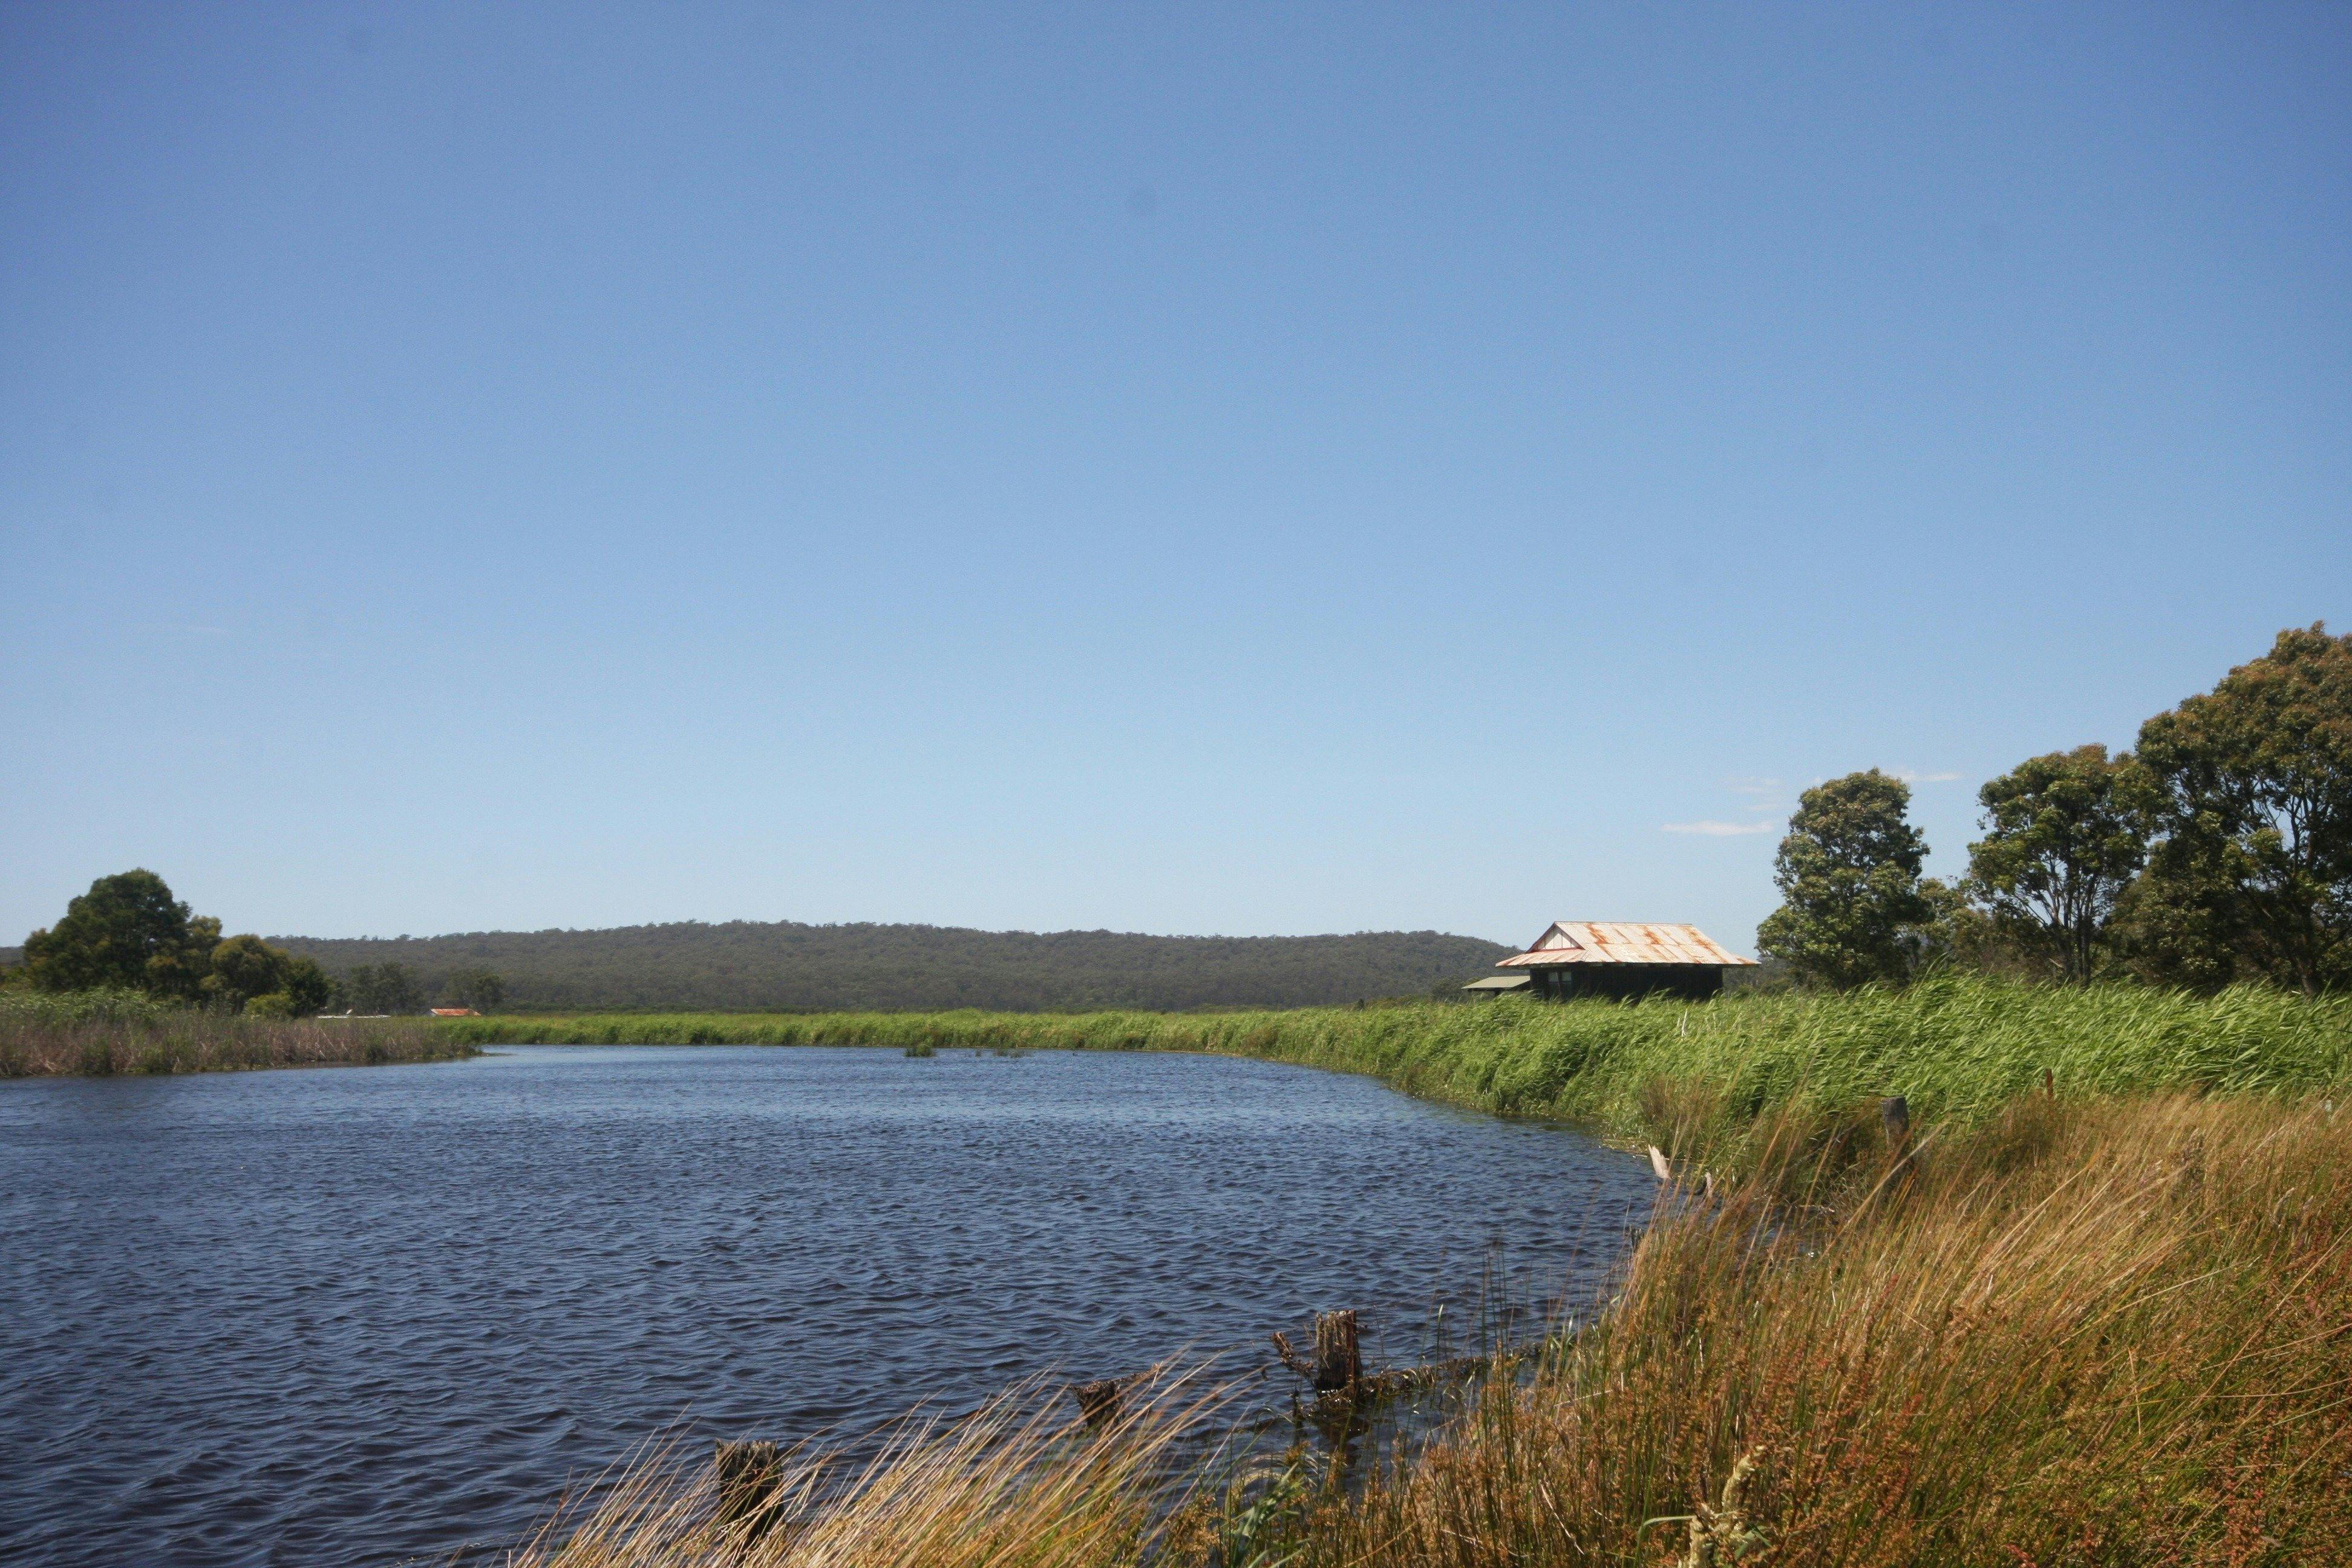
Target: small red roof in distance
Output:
{"points": [[1622, 942]]}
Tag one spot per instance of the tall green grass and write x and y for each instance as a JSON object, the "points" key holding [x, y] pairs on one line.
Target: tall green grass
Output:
{"points": [[1691, 1074]]}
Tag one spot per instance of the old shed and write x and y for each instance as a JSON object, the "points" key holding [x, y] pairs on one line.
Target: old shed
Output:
{"points": [[1622, 958]]}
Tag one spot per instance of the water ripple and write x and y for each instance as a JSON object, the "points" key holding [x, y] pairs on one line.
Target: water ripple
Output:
{"points": [[371, 1315]]}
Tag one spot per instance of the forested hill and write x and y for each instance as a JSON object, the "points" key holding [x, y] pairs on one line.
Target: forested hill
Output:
{"points": [[791, 967]]}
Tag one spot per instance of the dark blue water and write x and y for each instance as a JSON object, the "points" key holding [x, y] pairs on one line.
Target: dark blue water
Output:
{"points": [[363, 1315]]}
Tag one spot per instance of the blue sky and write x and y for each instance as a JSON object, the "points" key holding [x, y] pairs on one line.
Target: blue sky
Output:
{"points": [[1258, 469]]}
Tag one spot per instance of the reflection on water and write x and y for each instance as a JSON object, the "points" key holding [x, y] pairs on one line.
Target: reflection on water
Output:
{"points": [[365, 1315]]}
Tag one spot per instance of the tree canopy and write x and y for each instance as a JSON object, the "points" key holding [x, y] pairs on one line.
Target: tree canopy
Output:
{"points": [[2064, 837], [1848, 871], [2250, 788], [128, 931]]}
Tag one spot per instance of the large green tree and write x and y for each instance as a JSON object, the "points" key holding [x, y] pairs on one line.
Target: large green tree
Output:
{"points": [[249, 973], [1852, 903], [2064, 835], [2250, 786], [127, 930]]}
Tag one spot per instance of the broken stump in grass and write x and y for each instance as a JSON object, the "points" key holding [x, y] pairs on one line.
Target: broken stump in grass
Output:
{"points": [[748, 1477], [1895, 1111], [1339, 1360], [1099, 1401]]}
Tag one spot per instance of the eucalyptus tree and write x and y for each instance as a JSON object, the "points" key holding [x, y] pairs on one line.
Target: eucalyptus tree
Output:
{"points": [[128, 930], [2250, 786], [1852, 904], [2065, 833]]}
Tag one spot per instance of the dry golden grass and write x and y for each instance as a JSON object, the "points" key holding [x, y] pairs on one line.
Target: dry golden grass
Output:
{"points": [[1022, 1483], [2095, 1333], [2115, 1332]]}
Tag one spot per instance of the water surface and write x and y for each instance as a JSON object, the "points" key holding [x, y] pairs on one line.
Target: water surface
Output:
{"points": [[365, 1315]]}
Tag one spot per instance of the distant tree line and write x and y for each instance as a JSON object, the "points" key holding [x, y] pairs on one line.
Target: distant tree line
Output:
{"points": [[128, 931], [784, 966], [2219, 850]]}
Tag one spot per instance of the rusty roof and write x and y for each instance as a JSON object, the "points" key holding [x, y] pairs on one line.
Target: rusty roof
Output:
{"points": [[1621, 942]]}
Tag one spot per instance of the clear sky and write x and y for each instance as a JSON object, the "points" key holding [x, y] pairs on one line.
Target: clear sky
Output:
{"points": [[1172, 469]]}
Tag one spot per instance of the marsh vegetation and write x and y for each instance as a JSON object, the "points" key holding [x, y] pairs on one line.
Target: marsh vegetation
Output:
{"points": [[99, 1033], [1681, 1075]]}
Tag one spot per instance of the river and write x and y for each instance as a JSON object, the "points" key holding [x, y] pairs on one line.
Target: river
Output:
{"points": [[368, 1315]]}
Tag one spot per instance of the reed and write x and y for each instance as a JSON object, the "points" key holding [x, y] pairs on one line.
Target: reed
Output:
{"points": [[99, 1034], [1684, 1076]]}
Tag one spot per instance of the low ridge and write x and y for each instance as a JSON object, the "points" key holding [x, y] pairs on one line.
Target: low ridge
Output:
{"points": [[786, 966]]}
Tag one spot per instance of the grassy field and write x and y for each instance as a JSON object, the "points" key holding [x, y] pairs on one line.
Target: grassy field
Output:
{"points": [[2106, 1331], [1697, 1079], [99, 1034]]}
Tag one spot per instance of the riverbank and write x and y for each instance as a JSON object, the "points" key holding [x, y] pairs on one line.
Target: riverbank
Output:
{"points": [[2107, 1330], [1700, 1079], [2097, 1309], [43, 1037]]}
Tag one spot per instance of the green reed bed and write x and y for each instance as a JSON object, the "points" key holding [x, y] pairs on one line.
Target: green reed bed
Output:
{"points": [[1688, 1075], [99, 1033]]}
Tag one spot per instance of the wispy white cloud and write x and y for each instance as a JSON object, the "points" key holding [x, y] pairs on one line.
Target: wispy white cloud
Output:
{"points": [[1717, 829], [1910, 777]]}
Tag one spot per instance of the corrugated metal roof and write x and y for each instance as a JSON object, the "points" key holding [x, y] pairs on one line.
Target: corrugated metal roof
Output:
{"points": [[1499, 983], [1621, 942]]}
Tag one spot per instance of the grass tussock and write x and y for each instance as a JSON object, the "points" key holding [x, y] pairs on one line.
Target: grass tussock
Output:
{"points": [[1024, 1483], [2105, 1332], [99, 1034], [1682, 1075]]}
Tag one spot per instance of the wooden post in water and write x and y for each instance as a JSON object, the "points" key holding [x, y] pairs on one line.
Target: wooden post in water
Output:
{"points": [[1339, 1360], [749, 1474], [1099, 1401]]}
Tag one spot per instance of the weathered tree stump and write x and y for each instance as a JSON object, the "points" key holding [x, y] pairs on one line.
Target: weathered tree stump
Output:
{"points": [[1339, 1359], [749, 1476], [1895, 1112], [1099, 1401]]}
